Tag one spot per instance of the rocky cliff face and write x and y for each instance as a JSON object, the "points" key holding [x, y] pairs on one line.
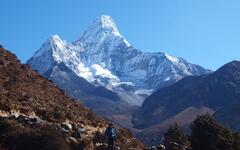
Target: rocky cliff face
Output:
{"points": [[32, 102]]}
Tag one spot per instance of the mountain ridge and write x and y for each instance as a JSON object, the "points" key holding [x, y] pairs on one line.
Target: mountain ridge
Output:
{"points": [[217, 93]]}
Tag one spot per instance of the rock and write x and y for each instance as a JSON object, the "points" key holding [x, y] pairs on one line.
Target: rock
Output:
{"points": [[78, 127], [153, 148], [161, 147], [64, 130], [58, 125], [32, 121], [76, 134], [176, 146], [73, 140], [67, 126], [117, 148], [81, 130], [22, 119], [12, 117]]}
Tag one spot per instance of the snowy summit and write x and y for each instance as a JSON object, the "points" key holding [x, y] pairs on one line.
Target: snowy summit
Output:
{"points": [[103, 29]]}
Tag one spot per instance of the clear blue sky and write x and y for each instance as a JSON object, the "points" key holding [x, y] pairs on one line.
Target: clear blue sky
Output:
{"points": [[205, 32]]}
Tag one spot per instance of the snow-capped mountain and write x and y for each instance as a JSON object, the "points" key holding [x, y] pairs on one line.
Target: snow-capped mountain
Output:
{"points": [[105, 58]]}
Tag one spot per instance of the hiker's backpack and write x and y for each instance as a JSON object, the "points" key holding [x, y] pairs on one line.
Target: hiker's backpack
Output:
{"points": [[111, 133]]}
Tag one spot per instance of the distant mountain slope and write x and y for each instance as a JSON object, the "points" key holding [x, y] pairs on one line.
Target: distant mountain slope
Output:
{"points": [[104, 101], [229, 115], [103, 57], [214, 91], [31, 99]]}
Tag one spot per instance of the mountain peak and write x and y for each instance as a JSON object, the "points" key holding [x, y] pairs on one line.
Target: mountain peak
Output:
{"points": [[107, 22], [57, 41], [104, 23], [51, 44], [55, 37], [103, 28]]}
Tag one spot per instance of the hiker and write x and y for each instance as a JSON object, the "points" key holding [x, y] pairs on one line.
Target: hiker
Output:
{"points": [[111, 135]]}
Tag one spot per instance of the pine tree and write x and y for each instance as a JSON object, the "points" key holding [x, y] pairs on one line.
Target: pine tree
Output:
{"points": [[175, 134], [207, 134]]}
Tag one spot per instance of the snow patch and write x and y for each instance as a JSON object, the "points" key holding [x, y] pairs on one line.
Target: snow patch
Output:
{"points": [[167, 79], [171, 58], [100, 71], [144, 91], [84, 72]]}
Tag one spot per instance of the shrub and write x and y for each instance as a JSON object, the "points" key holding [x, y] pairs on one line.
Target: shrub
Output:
{"points": [[207, 134], [175, 134], [17, 137], [98, 137]]}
